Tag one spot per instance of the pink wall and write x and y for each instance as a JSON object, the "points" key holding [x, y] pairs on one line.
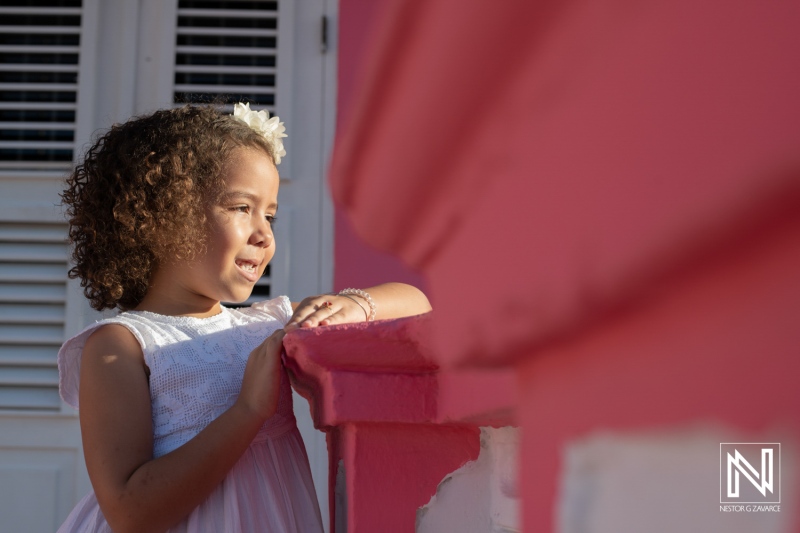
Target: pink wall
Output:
{"points": [[716, 350], [637, 241], [356, 264]]}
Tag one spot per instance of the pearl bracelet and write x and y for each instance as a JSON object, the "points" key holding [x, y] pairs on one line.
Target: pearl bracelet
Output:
{"points": [[366, 313], [373, 309]]}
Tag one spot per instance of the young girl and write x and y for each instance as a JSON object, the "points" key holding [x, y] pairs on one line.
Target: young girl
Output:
{"points": [[185, 409]]}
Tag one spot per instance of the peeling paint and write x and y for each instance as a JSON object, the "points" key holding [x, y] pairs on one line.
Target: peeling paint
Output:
{"points": [[483, 495]]}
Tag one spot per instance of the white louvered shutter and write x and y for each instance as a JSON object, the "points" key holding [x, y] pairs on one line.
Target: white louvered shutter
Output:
{"points": [[228, 49], [70, 68], [226, 52], [39, 49], [32, 313], [39, 43]]}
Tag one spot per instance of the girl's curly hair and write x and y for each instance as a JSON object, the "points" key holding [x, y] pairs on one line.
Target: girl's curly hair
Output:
{"points": [[138, 197]]}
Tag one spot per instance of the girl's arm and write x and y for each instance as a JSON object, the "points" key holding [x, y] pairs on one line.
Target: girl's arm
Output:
{"points": [[392, 300], [136, 492]]}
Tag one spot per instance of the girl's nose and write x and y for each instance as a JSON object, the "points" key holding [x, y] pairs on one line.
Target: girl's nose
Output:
{"points": [[262, 234]]}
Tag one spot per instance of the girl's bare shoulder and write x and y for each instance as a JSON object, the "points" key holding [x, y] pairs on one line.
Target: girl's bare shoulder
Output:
{"points": [[113, 373], [111, 341]]}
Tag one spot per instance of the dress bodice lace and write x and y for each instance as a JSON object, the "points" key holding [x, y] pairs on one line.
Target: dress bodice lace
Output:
{"points": [[196, 366]]}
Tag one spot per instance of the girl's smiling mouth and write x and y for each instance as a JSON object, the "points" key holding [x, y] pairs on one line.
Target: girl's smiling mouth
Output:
{"points": [[248, 268]]}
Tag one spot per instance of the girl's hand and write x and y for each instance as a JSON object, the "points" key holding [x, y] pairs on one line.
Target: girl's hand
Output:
{"points": [[262, 377], [327, 309]]}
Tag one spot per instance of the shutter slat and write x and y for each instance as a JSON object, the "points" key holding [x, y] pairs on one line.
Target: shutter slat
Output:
{"points": [[15, 273], [225, 50], [71, 30], [29, 355], [250, 89], [38, 106], [232, 32], [28, 377], [33, 10], [228, 13], [21, 339], [39, 174], [36, 67], [37, 125], [9, 362], [39, 48], [39, 86], [33, 337], [35, 355], [31, 314], [31, 334], [27, 293], [52, 233], [61, 145], [6, 166], [30, 398], [223, 69], [45, 253]]}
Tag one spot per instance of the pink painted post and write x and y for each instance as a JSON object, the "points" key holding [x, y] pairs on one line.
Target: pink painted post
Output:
{"points": [[393, 469], [376, 391]]}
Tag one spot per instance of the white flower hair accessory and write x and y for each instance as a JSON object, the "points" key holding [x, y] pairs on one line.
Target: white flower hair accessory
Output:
{"points": [[269, 128]]}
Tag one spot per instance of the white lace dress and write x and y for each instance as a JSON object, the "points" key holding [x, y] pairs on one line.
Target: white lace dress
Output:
{"points": [[196, 368]]}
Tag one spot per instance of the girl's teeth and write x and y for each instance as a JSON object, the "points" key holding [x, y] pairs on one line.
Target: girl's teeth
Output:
{"points": [[248, 267]]}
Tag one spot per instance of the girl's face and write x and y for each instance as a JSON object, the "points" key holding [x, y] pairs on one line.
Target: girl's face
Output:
{"points": [[240, 239], [240, 244]]}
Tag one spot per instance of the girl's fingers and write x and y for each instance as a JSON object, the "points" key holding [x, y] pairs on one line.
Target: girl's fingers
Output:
{"points": [[332, 318], [261, 380], [320, 316], [325, 310], [310, 312]]}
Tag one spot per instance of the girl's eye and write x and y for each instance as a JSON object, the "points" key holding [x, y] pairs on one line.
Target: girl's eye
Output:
{"points": [[241, 208], [272, 219]]}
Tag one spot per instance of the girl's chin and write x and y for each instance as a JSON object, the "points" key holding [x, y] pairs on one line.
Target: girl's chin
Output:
{"points": [[236, 295], [239, 298]]}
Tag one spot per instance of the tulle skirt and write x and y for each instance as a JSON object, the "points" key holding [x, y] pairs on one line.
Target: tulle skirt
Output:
{"points": [[269, 490]]}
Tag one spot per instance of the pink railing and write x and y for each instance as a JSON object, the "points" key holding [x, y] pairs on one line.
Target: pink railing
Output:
{"points": [[396, 424]]}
